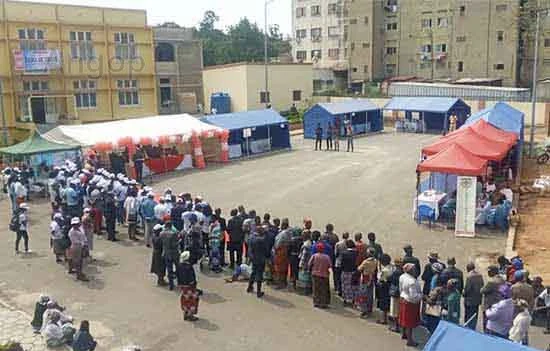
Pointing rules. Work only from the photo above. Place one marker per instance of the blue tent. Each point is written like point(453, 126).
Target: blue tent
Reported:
point(502, 116)
point(268, 131)
point(434, 112)
point(451, 337)
point(365, 117)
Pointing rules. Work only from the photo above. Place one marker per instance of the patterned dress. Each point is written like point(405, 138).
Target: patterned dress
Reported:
point(304, 283)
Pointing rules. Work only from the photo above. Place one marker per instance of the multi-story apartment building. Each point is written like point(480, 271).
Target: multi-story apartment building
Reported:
point(319, 38)
point(74, 64)
point(179, 64)
point(432, 39)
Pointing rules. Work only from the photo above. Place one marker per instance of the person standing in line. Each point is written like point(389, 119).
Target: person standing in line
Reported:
point(544, 297)
point(187, 282)
point(383, 288)
point(453, 301)
point(294, 247)
point(365, 294)
point(223, 228)
point(319, 137)
point(519, 332)
point(236, 238)
point(411, 296)
point(131, 210)
point(158, 266)
point(304, 274)
point(372, 244)
point(78, 242)
point(395, 294)
point(490, 292)
point(280, 257)
point(170, 250)
point(451, 272)
point(428, 272)
point(409, 258)
point(148, 212)
point(139, 159)
point(23, 227)
point(349, 135)
point(339, 250)
point(329, 137)
point(348, 268)
point(88, 228)
point(336, 136)
point(523, 291)
point(110, 216)
point(57, 237)
point(472, 295)
point(258, 253)
point(320, 265)
point(500, 316)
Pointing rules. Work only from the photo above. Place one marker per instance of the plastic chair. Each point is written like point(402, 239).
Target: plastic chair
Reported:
point(426, 212)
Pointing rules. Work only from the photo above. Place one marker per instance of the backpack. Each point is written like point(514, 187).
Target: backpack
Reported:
point(14, 223)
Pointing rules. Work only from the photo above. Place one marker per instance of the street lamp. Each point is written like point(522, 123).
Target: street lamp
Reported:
point(267, 95)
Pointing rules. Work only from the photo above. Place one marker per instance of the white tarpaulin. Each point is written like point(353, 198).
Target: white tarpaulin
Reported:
point(148, 127)
point(465, 224)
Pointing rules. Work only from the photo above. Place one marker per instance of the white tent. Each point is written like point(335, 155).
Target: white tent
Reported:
point(111, 132)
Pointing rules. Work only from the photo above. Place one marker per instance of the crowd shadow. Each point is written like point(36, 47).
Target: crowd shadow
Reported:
point(212, 298)
point(278, 302)
point(205, 324)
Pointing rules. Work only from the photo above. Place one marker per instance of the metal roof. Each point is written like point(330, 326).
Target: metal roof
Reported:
point(349, 106)
point(247, 119)
point(428, 104)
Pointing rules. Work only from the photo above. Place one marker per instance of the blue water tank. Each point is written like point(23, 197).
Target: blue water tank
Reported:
point(221, 102)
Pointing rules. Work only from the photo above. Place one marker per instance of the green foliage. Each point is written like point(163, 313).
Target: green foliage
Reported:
point(242, 42)
point(11, 346)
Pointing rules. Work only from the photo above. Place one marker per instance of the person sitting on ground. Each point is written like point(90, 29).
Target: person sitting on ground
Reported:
point(56, 333)
point(241, 274)
point(51, 308)
point(39, 309)
point(83, 340)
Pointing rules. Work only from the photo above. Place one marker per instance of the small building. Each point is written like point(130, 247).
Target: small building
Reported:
point(428, 114)
point(288, 85)
point(178, 66)
point(365, 117)
point(253, 132)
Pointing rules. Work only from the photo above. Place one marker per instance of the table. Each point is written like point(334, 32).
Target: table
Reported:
point(432, 199)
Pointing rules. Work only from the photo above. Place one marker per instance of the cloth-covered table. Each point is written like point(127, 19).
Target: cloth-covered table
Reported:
point(432, 199)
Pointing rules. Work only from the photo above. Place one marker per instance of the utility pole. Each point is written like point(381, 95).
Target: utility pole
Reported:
point(267, 95)
point(534, 85)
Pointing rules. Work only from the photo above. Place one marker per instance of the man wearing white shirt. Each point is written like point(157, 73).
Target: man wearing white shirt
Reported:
point(507, 192)
point(161, 211)
point(545, 297)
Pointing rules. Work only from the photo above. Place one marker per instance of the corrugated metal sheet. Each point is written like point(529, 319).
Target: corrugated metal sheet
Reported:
point(467, 92)
point(428, 104)
point(355, 105)
point(248, 119)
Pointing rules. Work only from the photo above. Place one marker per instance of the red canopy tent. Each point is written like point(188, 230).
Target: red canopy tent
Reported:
point(487, 131)
point(455, 159)
point(472, 142)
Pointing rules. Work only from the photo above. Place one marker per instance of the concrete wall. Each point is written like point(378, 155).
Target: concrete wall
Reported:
point(230, 80)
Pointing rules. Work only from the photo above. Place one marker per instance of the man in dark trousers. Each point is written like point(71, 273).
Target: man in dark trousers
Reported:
point(110, 215)
point(319, 137)
point(409, 258)
point(139, 158)
point(258, 253)
point(472, 295)
point(236, 237)
point(170, 250)
point(329, 137)
point(223, 229)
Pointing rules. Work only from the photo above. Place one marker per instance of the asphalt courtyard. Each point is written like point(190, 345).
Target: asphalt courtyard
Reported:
point(368, 190)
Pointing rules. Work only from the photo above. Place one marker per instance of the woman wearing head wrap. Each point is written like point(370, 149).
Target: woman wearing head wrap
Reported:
point(280, 257)
point(409, 306)
point(320, 265)
point(304, 274)
point(437, 268)
point(187, 282)
point(365, 294)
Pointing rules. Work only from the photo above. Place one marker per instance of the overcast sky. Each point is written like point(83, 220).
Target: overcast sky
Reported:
point(189, 12)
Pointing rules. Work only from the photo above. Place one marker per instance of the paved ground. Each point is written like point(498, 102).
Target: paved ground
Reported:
point(369, 190)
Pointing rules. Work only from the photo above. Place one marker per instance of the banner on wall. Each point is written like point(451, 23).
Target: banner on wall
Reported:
point(465, 225)
point(36, 60)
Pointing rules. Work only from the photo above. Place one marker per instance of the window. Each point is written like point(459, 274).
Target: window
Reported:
point(301, 33)
point(301, 55)
point(296, 95)
point(391, 50)
point(441, 48)
point(164, 81)
point(85, 93)
point(391, 26)
point(264, 97)
point(365, 69)
point(354, 69)
point(501, 8)
point(332, 8)
point(82, 47)
point(460, 66)
point(500, 36)
point(366, 20)
point(128, 93)
point(547, 43)
point(35, 86)
point(353, 21)
point(462, 10)
point(426, 23)
point(333, 31)
point(499, 66)
point(442, 22)
point(125, 48)
point(300, 12)
point(315, 54)
point(317, 85)
point(165, 96)
point(333, 53)
point(390, 68)
point(426, 48)
point(460, 39)
point(329, 83)
point(546, 62)
point(164, 52)
point(315, 34)
point(31, 39)
point(316, 10)
point(366, 45)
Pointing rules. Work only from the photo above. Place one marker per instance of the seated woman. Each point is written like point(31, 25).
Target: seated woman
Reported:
point(57, 334)
point(483, 217)
point(449, 208)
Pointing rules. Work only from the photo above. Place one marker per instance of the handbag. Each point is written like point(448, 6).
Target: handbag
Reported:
point(433, 310)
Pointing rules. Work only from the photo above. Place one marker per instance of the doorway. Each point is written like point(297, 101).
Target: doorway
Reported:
point(38, 107)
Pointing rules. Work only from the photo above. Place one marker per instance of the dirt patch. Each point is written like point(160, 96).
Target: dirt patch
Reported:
point(533, 235)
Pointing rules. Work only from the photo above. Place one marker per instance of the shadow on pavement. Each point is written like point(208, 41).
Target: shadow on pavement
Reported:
point(205, 324)
point(278, 302)
point(212, 298)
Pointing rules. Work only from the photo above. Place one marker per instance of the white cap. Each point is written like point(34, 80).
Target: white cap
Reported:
point(167, 198)
point(57, 215)
point(75, 220)
point(158, 227)
point(24, 205)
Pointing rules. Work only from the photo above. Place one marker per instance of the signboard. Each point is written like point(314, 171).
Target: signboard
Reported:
point(465, 224)
point(37, 60)
point(247, 133)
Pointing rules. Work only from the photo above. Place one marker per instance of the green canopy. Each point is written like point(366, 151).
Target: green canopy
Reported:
point(36, 144)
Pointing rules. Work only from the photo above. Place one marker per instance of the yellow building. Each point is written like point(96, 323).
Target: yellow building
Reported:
point(64, 64)
point(288, 84)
